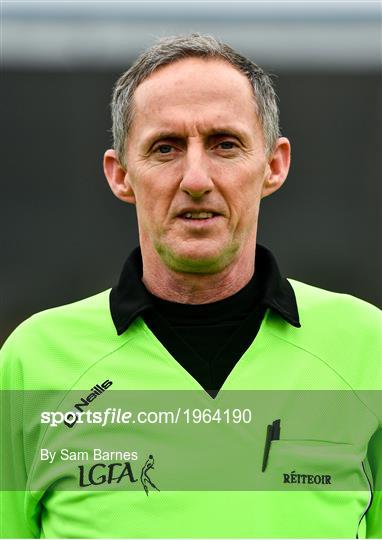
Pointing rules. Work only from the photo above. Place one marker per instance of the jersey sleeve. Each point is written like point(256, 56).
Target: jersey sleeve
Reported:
point(374, 455)
point(18, 519)
point(13, 522)
point(374, 513)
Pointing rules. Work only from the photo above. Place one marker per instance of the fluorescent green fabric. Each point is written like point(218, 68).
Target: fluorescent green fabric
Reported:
point(338, 347)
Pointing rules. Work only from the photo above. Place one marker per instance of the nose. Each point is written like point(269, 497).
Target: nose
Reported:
point(196, 179)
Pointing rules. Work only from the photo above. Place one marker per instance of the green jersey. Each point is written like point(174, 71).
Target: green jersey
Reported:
point(302, 458)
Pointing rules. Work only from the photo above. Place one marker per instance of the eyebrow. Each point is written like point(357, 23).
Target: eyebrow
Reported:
point(232, 132)
point(223, 131)
point(163, 134)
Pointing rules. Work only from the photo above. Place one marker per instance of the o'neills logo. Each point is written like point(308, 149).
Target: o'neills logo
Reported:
point(95, 391)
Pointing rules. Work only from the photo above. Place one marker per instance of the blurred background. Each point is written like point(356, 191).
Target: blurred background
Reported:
point(67, 236)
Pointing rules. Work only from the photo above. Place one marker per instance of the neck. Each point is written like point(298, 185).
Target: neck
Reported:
point(191, 288)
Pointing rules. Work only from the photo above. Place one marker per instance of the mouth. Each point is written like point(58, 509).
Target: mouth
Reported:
point(198, 215)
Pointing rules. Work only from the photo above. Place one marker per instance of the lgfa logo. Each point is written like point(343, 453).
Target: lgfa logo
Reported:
point(115, 472)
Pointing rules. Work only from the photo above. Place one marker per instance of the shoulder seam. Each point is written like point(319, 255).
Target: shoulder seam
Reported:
point(332, 369)
point(33, 467)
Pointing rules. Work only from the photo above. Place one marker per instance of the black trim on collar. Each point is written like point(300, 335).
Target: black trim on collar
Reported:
point(130, 298)
point(278, 294)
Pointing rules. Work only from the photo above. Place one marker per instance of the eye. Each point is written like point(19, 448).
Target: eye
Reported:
point(164, 148)
point(227, 145)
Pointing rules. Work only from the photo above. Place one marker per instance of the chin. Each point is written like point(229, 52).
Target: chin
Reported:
point(197, 259)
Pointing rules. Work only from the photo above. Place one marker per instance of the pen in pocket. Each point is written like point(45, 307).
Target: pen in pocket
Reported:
point(273, 434)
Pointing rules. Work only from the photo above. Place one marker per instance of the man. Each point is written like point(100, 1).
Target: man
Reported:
point(200, 307)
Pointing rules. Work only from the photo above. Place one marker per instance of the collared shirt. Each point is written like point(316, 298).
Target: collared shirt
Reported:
point(207, 339)
point(62, 354)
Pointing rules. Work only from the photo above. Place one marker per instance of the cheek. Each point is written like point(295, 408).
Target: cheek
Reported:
point(248, 213)
point(153, 200)
point(243, 213)
point(243, 196)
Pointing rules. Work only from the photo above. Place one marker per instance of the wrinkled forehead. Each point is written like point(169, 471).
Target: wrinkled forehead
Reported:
point(195, 90)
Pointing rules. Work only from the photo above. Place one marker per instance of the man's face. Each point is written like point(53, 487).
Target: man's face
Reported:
point(196, 164)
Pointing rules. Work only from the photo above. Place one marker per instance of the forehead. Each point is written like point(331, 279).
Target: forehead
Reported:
point(194, 91)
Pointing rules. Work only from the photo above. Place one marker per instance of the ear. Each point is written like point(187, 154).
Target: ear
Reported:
point(117, 177)
point(278, 167)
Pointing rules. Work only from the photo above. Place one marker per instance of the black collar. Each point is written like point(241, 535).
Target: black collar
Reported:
point(130, 298)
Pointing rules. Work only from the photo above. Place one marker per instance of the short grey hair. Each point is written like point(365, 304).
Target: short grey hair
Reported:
point(171, 49)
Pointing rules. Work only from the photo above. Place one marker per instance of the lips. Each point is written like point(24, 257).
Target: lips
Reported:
point(193, 214)
point(198, 215)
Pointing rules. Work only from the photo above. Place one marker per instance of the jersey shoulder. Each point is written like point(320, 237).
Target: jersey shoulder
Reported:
point(328, 305)
point(342, 330)
point(60, 342)
point(85, 313)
